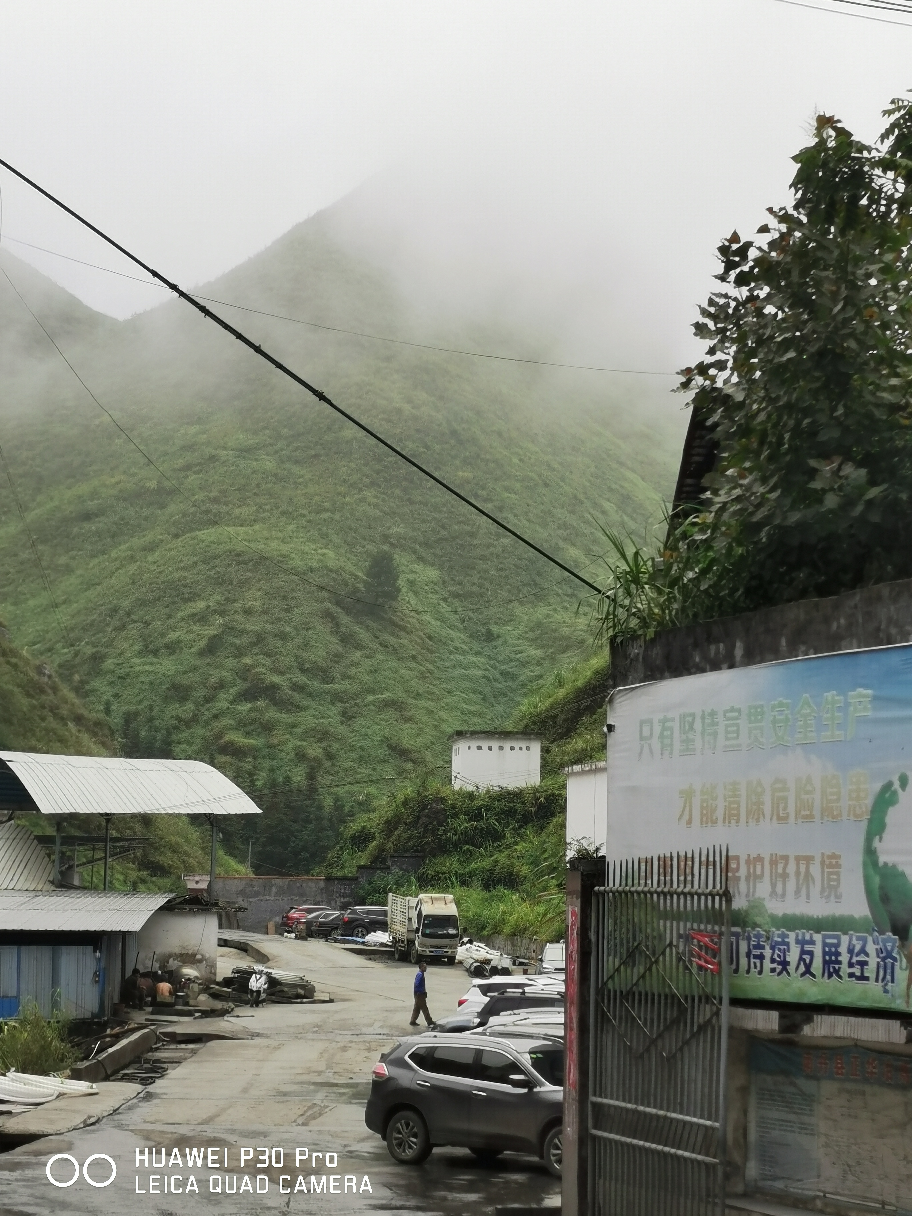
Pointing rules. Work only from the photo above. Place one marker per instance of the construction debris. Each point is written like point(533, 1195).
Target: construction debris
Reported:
point(284, 986)
point(480, 960)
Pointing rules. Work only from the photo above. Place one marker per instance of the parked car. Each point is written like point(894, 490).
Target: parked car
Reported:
point(552, 959)
point(300, 912)
point(482, 989)
point(537, 1022)
point(322, 924)
point(500, 1002)
point(487, 1095)
point(358, 922)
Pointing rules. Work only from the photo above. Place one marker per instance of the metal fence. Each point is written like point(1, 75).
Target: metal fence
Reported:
point(660, 959)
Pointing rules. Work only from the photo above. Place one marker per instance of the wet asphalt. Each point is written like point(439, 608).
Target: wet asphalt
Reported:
point(296, 1089)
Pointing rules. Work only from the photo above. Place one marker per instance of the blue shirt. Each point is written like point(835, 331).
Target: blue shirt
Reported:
point(420, 989)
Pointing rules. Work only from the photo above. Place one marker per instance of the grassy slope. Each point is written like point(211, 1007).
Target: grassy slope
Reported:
point(194, 645)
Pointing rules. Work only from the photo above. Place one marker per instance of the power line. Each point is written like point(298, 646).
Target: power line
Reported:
point(310, 388)
point(355, 333)
point(174, 485)
point(840, 13)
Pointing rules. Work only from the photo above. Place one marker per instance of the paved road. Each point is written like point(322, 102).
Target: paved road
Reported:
point(300, 1083)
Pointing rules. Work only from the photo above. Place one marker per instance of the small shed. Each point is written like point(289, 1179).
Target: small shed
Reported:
point(69, 950)
point(490, 759)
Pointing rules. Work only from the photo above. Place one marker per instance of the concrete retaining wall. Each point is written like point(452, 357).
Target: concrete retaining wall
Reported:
point(873, 616)
point(266, 897)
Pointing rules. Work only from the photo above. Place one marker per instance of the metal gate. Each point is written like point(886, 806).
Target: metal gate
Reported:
point(659, 1029)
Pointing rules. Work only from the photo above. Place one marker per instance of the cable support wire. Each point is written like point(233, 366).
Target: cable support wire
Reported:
point(355, 333)
point(174, 485)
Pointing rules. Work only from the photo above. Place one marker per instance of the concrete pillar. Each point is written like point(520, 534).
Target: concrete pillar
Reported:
point(583, 877)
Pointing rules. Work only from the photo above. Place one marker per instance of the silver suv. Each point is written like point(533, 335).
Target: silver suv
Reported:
point(489, 1095)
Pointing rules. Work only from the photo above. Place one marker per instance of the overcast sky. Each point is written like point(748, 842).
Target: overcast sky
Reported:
point(582, 157)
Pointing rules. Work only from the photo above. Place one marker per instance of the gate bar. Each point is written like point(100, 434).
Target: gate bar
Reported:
point(648, 1110)
point(654, 1148)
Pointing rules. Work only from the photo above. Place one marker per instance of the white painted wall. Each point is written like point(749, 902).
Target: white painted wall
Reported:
point(179, 937)
point(587, 802)
point(491, 761)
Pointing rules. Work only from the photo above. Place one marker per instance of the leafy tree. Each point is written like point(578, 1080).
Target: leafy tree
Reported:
point(807, 388)
point(807, 383)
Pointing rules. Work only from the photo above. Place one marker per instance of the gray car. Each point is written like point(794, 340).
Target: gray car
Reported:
point(506, 1001)
point(489, 1095)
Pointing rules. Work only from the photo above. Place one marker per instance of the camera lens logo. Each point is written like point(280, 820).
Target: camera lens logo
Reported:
point(48, 1169)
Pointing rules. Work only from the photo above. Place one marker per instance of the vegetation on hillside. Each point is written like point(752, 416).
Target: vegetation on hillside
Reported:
point(501, 852)
point(194, 600)
point(38, 714)
point(807, 384)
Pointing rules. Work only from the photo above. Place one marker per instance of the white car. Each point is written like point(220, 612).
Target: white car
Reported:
point(482, 989)
point(552, 960)
point(544, 1022)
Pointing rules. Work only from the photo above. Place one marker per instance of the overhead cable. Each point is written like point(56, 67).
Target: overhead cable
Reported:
point(310, 388)
point(818, 8)
point(355, 333)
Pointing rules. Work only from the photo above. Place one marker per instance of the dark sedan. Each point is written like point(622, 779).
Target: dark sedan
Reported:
point(498, 1003)
point(323, 924)
point(489, 1095)
point(364, 919)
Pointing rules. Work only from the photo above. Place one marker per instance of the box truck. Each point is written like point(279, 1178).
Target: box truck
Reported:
point(424, 927)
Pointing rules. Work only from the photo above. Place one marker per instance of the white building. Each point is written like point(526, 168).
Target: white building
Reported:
point(587, 802)
point(495, 759)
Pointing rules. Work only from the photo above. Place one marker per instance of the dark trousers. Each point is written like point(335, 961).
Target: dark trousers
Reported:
point(420, 1006)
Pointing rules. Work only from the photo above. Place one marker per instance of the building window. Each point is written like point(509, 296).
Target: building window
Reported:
point(490, 748)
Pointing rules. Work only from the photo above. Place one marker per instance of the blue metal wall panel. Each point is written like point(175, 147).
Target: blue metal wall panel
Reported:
point(36, 977)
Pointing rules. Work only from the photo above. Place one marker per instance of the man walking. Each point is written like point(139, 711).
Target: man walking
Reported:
point(421, 1005)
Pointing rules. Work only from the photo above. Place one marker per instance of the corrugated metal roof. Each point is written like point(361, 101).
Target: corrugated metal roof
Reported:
point(106, 785)
point(77, 911)
point(24, 865)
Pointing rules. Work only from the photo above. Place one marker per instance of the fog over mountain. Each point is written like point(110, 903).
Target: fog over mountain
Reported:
point(228, 606)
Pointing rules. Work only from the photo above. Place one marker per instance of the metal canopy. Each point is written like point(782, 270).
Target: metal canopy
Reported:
point(77, 911)
point(106, 785)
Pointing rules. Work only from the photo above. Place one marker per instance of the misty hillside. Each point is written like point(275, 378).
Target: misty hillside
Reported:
point(190, 615)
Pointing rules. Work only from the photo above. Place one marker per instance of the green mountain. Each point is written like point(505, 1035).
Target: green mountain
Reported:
point(280, 596)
